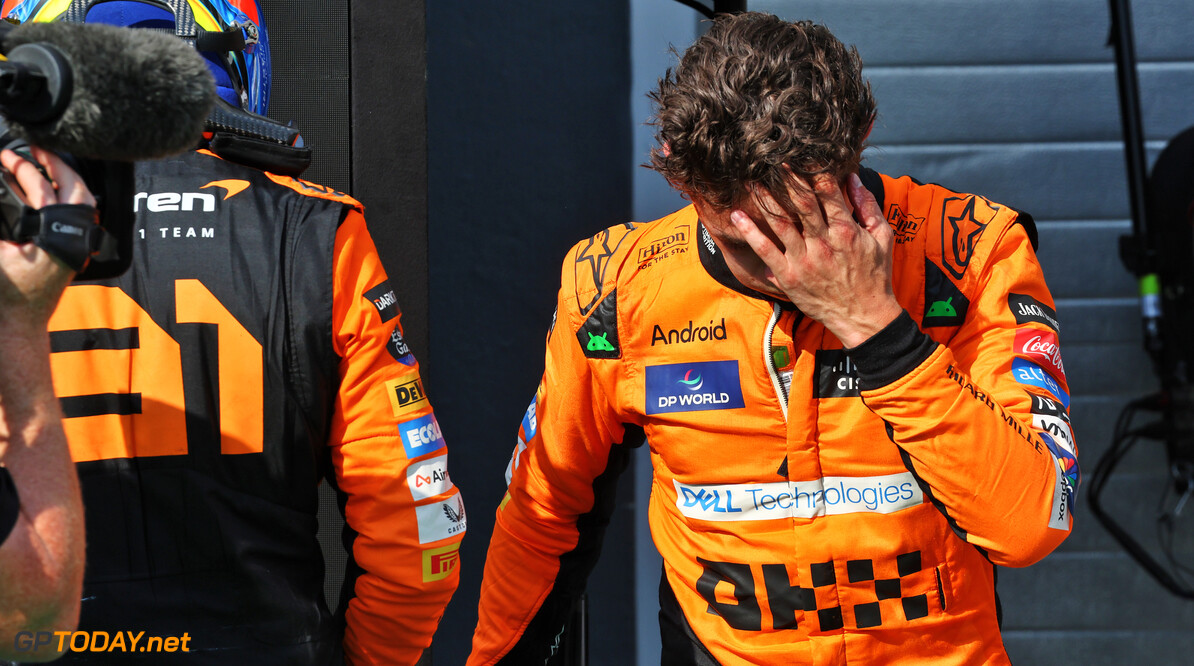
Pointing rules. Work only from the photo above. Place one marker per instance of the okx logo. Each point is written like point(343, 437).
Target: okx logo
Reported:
point(693, 387)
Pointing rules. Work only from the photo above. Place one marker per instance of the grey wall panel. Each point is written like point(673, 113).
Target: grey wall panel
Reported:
point(1082, 260)
point(1064, 181)
point(1123, 500)
point(1097, 320)
point(1023, 103)
point(1107, 369)
point(1076, 591)
point(1098, 646)
point(1094, 418)
point(934, 32)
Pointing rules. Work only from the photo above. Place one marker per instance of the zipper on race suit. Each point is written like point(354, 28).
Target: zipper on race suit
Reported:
point(781, 391)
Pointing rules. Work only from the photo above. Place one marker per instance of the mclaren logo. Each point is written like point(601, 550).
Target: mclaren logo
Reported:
point(232, 187)
point(166, 202)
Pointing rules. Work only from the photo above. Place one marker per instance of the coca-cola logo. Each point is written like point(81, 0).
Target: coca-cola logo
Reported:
point(1040, 345)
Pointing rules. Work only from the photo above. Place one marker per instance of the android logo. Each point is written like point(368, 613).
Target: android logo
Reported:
point(599, 343)
point(940, 309)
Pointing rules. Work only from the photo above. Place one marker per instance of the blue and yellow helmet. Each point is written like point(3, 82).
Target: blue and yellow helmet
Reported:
point(228, 33)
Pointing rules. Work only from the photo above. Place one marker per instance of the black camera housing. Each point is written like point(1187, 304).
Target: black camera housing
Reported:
point(112, 184)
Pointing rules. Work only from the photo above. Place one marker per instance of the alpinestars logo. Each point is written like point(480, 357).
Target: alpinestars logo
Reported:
point(398, 347)
point(593, 259)
point(690, 333)
point(963, 219)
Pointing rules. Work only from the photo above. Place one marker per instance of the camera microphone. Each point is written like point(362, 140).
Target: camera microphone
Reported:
point(103, 92)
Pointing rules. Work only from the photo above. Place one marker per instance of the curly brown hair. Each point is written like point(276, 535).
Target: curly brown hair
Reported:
point(757, 96)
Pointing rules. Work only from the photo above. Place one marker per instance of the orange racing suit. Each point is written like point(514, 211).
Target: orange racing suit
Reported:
point(813, 505)
point(253, 349)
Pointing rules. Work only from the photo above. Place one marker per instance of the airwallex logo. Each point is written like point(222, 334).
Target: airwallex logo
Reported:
point(1027, 372)
point(830, 496)
point(693, 387)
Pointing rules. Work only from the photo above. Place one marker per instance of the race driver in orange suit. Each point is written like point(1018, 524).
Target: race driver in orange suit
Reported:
point(253, 349)
point(850, 385)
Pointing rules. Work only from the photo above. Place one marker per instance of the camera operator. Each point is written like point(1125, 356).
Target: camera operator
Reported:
point(41, 512)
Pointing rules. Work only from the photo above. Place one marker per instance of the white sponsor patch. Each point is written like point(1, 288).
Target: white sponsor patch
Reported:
point(833, 495)
point(441, 520)
point(515, 459)
point(1059, 429)
point(1059, 519)
point(429, 478)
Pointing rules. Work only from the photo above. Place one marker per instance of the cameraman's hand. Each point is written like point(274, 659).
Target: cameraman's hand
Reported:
point(31, 280)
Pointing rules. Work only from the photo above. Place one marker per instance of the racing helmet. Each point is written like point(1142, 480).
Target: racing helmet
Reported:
point(229, 34)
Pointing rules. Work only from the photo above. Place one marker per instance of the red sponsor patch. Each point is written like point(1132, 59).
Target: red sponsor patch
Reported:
point(1042, 347)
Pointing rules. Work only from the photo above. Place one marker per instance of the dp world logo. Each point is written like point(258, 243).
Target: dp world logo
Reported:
point(693, 387)
point(691, 383)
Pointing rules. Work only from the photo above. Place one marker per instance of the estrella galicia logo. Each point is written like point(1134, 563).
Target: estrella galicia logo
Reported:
point(421, 436)
point(382, 297)
point(398, 348)
point(945, 304)
point(836, 375)
point(1027, 309)
point(1027, 372)
point(963, 220)
point(693, 387)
